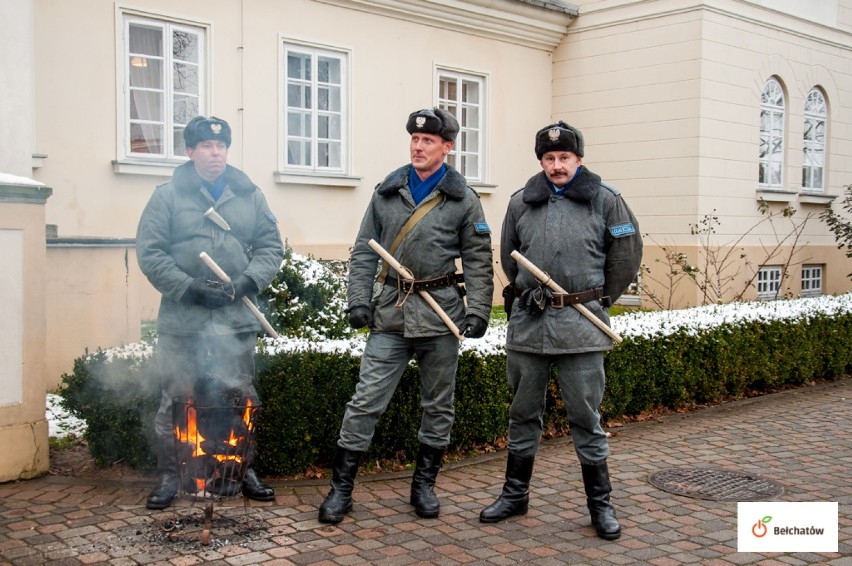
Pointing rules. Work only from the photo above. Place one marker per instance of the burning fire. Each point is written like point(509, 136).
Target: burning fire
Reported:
point(228, 452)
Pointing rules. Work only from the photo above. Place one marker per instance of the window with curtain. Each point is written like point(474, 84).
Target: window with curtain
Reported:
point(316, 109)
point(463, 95)
point(771, 135)
point(163, 85)
point(813, 160)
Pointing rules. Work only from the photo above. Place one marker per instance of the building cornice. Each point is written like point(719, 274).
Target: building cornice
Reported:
point(620, 12)
point(538, 24)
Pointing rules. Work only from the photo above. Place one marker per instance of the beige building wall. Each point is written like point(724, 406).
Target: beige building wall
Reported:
point(667, 94)
point(99, 301)
point(394, 49)
point(393, 58)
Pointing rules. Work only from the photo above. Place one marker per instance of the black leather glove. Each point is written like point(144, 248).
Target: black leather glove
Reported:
point(244, 286)
point(202, 294)
point(474, 327)
point(534, 300)
point(360, 316)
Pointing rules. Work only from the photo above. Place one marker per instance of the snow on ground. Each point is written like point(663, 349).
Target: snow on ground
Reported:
point(60, 422)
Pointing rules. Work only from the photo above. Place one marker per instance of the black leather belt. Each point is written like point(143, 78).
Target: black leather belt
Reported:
point(561, 300)
point(407, 285)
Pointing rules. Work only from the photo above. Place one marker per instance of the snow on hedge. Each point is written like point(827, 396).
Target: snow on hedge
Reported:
point(635, 324)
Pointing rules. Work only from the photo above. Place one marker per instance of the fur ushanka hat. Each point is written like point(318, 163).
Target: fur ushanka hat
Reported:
point(435, 121)
point(558, 137)
point(201, 128)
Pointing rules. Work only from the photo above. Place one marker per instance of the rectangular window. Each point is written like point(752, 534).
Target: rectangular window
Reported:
point(315, 109)
point(769, 282)
point(811, 280)
point(164, 70)
point(463, 95)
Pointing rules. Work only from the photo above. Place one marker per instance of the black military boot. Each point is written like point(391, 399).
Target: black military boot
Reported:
point(514, 500)
point(338, 502)
point(165, 492)
point(253, 488)
point(163, 495)
point(598, 488)
point(423, 497)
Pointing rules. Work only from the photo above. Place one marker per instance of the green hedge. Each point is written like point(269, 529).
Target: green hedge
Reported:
point(304, 393)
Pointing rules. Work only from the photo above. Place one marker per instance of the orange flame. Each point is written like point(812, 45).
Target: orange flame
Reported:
point(192, 436)
point(247, 414)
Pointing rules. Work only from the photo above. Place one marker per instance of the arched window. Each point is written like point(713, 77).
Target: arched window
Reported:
point(771, 135)
point(813, 162)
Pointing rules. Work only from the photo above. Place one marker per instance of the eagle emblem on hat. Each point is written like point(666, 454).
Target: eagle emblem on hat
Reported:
point(553, 134)
point(420, 121)
point(216, 128)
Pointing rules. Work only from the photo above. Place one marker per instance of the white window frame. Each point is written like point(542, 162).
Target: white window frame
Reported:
point(128, 161)
point(769, 282)
point(464, 148)
point(813, 158)
point(313, 172)
point(812, 278)
point(771, 150)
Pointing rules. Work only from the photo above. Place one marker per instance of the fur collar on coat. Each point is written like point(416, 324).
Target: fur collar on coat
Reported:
point(186, 179)
point(454, 185)
point(583, 189)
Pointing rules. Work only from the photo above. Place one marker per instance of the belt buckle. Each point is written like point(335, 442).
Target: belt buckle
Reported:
point(407, 285)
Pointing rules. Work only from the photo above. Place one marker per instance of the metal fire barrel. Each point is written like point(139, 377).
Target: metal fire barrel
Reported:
point(214, 443)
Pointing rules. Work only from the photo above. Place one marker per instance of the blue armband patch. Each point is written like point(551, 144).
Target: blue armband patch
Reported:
point(622, 230)
point(482, 228)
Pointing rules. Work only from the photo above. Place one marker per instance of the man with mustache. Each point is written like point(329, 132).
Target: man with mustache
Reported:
point(580, 232)
point(206, 335)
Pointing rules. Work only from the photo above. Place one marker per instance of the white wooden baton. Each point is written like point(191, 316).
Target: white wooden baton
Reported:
point(405, 273)
point(545, 278)
point(214, 267)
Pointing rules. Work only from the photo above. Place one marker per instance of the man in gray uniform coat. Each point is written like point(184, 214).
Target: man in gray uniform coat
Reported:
point(206, 334)
point(579, 231)
point(401, 322)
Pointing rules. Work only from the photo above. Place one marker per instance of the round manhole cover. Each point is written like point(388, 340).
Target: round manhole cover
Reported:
point(716, 485)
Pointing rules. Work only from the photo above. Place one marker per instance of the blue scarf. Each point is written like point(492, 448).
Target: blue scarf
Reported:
point(421, 189)
point(216, 188)
point(561, 192)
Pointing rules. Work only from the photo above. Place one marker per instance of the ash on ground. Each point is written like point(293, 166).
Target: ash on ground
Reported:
point(179, 530)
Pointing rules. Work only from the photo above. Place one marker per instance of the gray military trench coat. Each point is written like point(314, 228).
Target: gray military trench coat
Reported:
point(455, 228)
point(173, 231)
point(584, 240)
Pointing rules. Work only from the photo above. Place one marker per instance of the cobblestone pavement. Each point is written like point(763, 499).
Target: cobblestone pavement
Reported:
point(801, 439)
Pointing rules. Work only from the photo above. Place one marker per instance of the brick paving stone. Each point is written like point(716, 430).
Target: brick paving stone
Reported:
point(804, 444)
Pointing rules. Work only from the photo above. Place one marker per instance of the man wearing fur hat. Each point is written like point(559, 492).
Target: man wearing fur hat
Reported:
point(427, 217)
point(206, 335)
point(580, 232)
